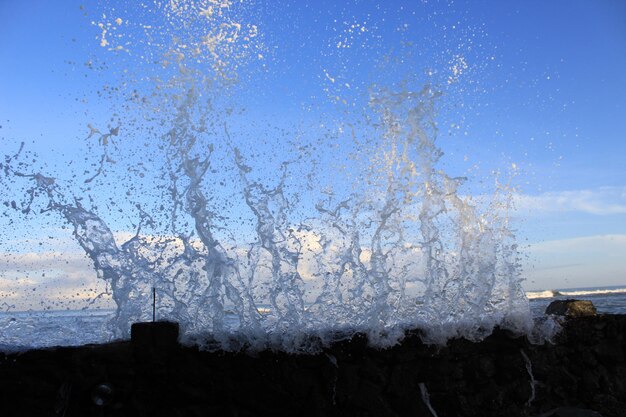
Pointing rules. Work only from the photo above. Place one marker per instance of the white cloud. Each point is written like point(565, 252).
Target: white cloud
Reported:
point(58, 280)
point(599, 201)
point(579, 262)
point(608, 243)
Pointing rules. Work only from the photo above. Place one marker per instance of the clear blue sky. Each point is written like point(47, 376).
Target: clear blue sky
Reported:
point(544, 88)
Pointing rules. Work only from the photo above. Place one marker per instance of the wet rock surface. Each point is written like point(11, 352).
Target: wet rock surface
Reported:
point(571, 308)
point(583, 373)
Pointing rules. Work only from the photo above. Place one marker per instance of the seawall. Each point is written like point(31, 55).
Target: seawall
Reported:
point(504, 375)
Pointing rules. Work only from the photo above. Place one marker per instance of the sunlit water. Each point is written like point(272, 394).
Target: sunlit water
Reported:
point(257, 236)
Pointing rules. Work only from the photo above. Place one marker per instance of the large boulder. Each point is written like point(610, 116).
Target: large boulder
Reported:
point(571, 308)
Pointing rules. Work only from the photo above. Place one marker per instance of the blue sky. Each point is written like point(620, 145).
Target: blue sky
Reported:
point(544, 89)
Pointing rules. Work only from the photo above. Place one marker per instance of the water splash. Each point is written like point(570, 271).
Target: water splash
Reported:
point(251, 246)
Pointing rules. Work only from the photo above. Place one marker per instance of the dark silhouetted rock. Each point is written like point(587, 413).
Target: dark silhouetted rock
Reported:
point(571, 308)
point(157, 335)
point(583, 369)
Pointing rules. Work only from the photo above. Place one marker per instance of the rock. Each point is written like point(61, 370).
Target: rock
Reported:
point(582, 373)
point(571, 308)
point(153, 344)
point(154, 335)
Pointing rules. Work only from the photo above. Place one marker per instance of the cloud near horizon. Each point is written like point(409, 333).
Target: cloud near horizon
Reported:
point(68, 274)
point(591, 261)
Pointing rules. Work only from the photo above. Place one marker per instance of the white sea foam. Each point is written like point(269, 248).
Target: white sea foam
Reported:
point(541, 294)
point(574, 292)
point(599, 291)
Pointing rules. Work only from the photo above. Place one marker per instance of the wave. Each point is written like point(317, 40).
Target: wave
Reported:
point(555, 293)
point(542, 294)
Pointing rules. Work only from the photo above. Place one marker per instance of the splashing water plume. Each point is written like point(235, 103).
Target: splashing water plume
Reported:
point(285, 235)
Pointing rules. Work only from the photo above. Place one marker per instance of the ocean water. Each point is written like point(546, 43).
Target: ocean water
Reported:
point(40, 329)
point(608, 300)
point(36, 329)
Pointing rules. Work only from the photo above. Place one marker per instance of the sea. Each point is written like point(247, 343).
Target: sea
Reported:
point(24, 330)
point(607, 300)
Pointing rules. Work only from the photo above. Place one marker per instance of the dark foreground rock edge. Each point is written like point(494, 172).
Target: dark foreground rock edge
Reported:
point(585, 368)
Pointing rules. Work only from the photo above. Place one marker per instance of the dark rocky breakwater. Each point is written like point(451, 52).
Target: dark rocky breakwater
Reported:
point(582, 373)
